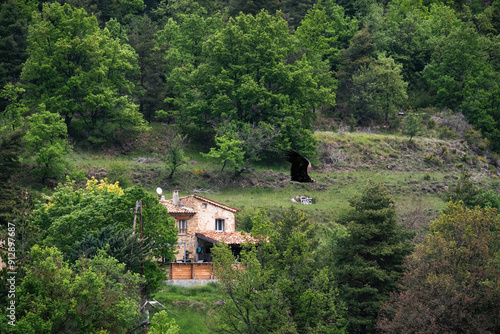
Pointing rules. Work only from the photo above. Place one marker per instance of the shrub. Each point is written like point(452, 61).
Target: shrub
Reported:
point(431, 123)
point(446, 133)
point(118, 172)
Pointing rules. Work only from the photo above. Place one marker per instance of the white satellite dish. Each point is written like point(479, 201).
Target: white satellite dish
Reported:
point(159, 191)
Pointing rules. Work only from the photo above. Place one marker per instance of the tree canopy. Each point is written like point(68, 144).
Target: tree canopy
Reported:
point(80, 71)
point(92, 295)
point(276, 286)
point(452, 279)
point(71, 213)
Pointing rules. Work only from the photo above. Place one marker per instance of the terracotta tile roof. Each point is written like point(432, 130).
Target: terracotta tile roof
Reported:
point(204, 199)
point(230, 238)
point(183, 209)
point(177, 209)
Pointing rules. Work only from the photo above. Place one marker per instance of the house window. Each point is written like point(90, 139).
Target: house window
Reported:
point(204, 205)
point(183, 226)
point(219, 225)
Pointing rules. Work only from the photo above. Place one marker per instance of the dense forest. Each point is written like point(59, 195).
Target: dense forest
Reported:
point(243, 81)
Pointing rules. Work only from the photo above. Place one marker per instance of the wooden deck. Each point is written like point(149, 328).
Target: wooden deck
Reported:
point(190, 270)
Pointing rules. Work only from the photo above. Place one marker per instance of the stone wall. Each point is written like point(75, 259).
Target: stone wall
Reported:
point(202, 221)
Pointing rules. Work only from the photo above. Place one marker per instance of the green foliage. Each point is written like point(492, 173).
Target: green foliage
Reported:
point(152, 64)
point(228, 150)
point(93, 295)
point(80, 71)
point(412, 125)
point(12, 117)
point(352, 59)
point(368, 262)
point(325, 30)
point(46, 140)
point(118, 172)
point(253, 7)
point(377, 89)
point(125, 247)
point(11, 149)
point(120, 244)
point(454, 63)
point(14, 15)
point(190, 307)
point(357, 8)
point(175, 156)
point(161, 324)
point(119, 9)
point(256, 141)
point(467, 192)
point(452, 279)
point(276, 286)
point(71, 213)
point(462, 72)
point(183, 39)
point(403, 34)
point(295, 11)
point(241, 74)
point(158, 225)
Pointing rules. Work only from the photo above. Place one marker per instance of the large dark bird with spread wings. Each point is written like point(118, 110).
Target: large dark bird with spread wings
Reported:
point(300, 167)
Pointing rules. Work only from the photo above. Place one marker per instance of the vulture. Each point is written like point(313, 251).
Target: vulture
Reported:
point(300, 167)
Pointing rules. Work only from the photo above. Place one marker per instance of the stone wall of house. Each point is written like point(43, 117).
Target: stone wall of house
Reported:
point(205, 217)
point(190, 240)
point(202, 221)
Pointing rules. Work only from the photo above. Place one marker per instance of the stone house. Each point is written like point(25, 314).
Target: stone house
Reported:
point(202, 223)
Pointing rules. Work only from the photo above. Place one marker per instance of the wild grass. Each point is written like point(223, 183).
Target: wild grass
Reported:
point(333, 201)
point(188, 306)
point(343, 165)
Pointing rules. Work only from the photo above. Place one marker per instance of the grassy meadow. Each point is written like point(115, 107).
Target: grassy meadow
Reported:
point(188, 306)
point(419, 172)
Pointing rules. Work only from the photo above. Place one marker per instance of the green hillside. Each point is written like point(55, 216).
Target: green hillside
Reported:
point(421, 171)
point(395, 103)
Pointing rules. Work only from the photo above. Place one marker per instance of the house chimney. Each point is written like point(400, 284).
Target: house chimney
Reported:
point(175, 198)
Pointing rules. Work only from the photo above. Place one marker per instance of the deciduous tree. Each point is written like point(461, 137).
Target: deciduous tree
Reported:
point(46, 140)
point(243, 74)
point(81, 72)
point(412, 125)
point(452, 280)
point(276, 287)
point(175, 156)
point(228, 151)
point(326, 30)
point(11, 117)
point(468, 193)
point(161, 324)
point(92, 295)
point(377, 89)
point(70, 213)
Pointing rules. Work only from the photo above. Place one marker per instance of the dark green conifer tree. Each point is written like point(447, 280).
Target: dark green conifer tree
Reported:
point(368, 262)
point(11, 148)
